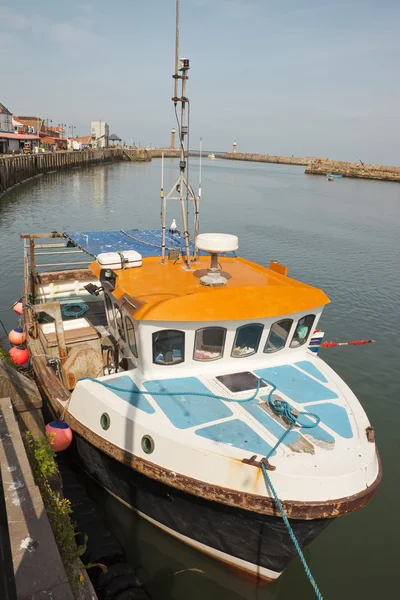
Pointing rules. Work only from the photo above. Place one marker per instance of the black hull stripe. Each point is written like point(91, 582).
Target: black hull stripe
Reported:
point(257, 539)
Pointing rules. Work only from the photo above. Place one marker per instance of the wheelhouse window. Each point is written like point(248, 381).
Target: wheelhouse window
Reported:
point(109, 310)
point(247, 340)
point(130, 331)
point(119, 322)
point(168, 347)
point(278, 335)
point(302, 331)
point(209, 343)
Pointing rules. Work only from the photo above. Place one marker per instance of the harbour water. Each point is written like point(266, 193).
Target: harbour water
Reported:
point(341, 236)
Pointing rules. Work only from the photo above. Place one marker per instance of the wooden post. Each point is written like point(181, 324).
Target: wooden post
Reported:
point(32, 259)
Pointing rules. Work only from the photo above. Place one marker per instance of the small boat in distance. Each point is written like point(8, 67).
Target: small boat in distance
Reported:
point(330, 179)
point(333, 176)
point(211, 156)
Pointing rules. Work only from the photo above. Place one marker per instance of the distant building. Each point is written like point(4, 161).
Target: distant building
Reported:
point(35, 123)
point(114, 140)
point(172, 143)
point(100, 133)
point(5, 119)
point(20, 127)
point(86, 141)
point(15, 136)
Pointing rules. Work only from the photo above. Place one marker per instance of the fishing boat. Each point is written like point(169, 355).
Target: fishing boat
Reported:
point(191, 381)
point(331, 176)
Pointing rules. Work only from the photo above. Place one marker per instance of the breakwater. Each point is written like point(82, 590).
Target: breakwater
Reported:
point(320, 166)
point(351, 169)
point(22, 167)
point(268, 158)
point(314, 166)
point(264, 158)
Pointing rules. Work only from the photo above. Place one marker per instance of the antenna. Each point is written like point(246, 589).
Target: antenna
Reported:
point(163, 211)
point(201, 147)
point(181, 186)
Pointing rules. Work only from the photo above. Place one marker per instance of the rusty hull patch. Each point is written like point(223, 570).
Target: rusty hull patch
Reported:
point(251, 502)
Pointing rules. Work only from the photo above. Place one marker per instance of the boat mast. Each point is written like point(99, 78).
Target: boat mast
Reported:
point(182, 186)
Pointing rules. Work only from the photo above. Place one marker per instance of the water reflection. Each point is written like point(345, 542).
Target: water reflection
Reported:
point(342, 237)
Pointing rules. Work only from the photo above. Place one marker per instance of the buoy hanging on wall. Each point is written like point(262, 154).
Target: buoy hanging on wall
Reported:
point(19, 356)
point(16, 336)
point(18, 307)
point(60, 435)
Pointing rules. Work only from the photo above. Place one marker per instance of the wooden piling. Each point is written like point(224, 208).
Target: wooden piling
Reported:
point(15, 169)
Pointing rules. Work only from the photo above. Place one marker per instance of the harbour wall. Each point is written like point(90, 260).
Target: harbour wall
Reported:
point(22, 167)
point(17, 169)
point(356, 170)
point(313, 166)
point(264, 158)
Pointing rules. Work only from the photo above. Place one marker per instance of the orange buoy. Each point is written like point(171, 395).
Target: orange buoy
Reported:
point(60, 435)
point(18, 307)
point(19, 355)
point(16, 336)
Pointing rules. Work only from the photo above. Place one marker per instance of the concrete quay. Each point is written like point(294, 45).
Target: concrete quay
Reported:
point(38, 568)
point(14, 169)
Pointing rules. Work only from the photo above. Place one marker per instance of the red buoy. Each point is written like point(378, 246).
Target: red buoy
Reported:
point(60, 435)
point(19, 356)
point(18, 307)
point(17, 336)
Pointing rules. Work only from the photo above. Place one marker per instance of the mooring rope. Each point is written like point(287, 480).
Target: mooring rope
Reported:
point(69, 309)
point(291, 533)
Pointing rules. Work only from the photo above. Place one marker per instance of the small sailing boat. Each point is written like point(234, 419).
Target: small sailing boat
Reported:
point(187, 372)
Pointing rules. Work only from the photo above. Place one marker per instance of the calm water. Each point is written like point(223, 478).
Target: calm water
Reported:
point(341, 236)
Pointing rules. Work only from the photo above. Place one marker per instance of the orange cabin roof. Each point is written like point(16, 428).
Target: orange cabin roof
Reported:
point(168, 292)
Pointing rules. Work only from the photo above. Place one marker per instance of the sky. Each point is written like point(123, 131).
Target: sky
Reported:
point(310, 78)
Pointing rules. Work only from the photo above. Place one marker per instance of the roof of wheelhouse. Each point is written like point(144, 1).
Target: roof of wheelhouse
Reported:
point(169, 292)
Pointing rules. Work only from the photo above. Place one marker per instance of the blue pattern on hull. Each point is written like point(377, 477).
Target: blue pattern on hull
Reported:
point(187, 411)
point(138, 400)
point(238, 434)
point(311, 369)
point(295, 384)
point(334, 416)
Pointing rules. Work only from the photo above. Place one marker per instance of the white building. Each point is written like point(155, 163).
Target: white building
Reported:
point(5, 119)
point(100, 133)
point(15, 136)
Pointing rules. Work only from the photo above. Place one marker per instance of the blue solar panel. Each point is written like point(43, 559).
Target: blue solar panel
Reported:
point(146, 242)
point(96, 242)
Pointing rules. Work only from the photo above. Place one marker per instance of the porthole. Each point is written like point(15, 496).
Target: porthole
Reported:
point(147, 444)
point(105, 421)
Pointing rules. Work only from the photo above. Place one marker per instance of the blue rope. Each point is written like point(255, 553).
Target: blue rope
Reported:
point(291, 533)
point(68, 310)
point(203, 394)
point(283, 409)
